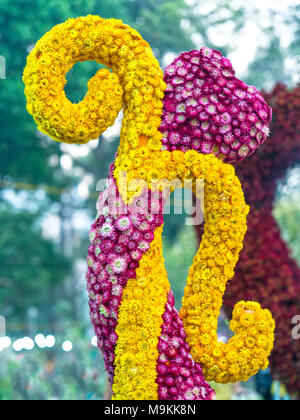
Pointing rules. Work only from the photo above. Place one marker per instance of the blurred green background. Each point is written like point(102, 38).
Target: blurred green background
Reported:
point(48, 190)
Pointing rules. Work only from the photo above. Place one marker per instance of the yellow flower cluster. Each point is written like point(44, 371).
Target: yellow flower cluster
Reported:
point(139, 327)
point(137, 80)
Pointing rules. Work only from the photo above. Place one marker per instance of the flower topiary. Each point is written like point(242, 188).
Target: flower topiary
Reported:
point(146, 346)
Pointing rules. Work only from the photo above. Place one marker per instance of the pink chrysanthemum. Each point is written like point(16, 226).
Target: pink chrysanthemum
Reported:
point(106, 230)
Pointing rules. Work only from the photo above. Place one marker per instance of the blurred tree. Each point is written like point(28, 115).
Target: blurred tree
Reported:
point(287, 211)
point(31, 266)
point(278, 56)
point(294, 20)
point(52, 374)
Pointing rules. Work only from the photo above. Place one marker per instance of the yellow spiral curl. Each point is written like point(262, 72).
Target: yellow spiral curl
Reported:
point(115, 45)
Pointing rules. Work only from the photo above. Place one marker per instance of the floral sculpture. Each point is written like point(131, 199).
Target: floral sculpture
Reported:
point(266, 272)
point(172, 130)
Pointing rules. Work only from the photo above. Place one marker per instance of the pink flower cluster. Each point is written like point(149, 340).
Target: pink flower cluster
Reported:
point(208, 109)
point(178, 376)
point(119, 237)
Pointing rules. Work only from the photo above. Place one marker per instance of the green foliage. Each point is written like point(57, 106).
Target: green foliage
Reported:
point(34, 272)
point(31, 266)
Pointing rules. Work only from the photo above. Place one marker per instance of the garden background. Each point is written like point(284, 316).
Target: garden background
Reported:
point(48, 190)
